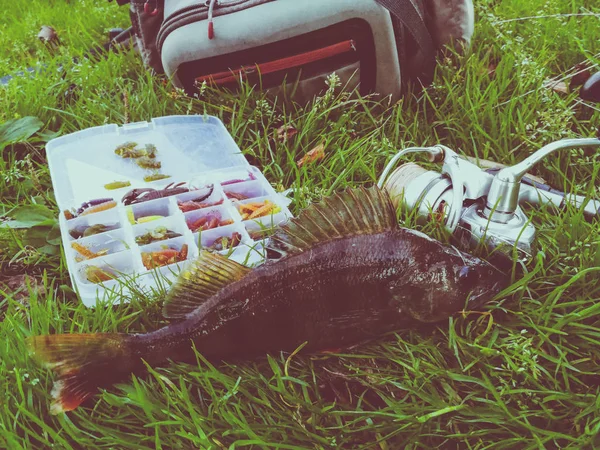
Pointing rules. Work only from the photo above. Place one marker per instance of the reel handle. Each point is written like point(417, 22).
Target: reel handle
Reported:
point(536, 193)
point(590, 91)
point(503, 198)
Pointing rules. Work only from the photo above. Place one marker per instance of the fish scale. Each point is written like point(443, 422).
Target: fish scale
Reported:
point(345, 273)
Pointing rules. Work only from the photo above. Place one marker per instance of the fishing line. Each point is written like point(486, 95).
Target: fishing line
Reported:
point(550, 16)
point(558, 79)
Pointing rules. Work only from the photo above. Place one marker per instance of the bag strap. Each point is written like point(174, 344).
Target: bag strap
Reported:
point(410, 16)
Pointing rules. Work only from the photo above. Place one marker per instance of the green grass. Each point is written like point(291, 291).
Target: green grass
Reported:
point(523, 374)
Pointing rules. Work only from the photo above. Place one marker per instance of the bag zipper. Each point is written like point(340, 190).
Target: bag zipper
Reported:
point(201, 10)
point(279, 65)
point(211, 27)
point(203, 6)
point(151, 7)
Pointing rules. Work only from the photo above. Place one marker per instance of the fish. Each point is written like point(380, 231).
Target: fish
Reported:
point(341, 273)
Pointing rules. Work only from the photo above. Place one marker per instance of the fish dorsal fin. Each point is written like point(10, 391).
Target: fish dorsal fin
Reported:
point(208, 275)
point(352, 212)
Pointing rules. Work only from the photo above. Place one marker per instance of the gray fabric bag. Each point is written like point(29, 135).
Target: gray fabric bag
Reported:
point(378, 46)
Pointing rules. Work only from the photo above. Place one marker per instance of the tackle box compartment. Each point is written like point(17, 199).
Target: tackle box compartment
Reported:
point(212, 199)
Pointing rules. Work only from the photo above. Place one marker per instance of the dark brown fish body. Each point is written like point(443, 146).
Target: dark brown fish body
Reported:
point(327, 293)
point(331, 296)
point(334, 295)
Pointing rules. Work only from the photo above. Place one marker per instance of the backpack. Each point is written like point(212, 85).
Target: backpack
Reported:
point(376, 46)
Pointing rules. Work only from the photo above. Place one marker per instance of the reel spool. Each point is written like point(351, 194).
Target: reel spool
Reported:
point(412, 187)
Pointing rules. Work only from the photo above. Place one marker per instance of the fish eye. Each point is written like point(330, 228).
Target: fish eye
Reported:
point(468, 275)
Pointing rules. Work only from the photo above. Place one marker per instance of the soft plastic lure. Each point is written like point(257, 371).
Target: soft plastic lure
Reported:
point(226, 243)
point(95, 274)
point(155, 177)
point(116, 185)
point(193, 205)
point(99, 208)
point(208, 223)
point(164, 257)
point(254, 210)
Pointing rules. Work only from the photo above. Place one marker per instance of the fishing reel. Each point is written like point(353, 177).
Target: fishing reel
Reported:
point(484, 206)
point(477, 205)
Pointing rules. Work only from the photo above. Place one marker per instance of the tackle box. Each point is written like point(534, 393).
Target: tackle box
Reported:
point(224, 204)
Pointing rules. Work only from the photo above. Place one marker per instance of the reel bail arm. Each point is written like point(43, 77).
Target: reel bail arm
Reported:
point(435, 154)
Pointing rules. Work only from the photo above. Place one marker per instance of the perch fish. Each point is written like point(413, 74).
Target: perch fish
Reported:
point(341, 273)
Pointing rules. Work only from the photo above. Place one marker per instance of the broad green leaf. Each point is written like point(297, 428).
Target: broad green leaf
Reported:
point(53, 236)
point(48, 249)
point(28, 216)
point(47, 135)
point(17, 130)
point(36, 237)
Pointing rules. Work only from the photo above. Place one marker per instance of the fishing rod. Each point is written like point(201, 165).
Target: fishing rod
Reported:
point(479, 205)
point(576, 76)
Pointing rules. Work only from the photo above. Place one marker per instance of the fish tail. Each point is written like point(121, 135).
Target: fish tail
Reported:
point(83, 363)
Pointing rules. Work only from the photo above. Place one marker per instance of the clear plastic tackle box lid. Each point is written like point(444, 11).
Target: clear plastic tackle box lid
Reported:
point(108, 253)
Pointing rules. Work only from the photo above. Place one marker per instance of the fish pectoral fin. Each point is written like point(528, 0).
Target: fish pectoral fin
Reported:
point(416, 302)
point(209, 274)
point(404, 296)
point(350, 213)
